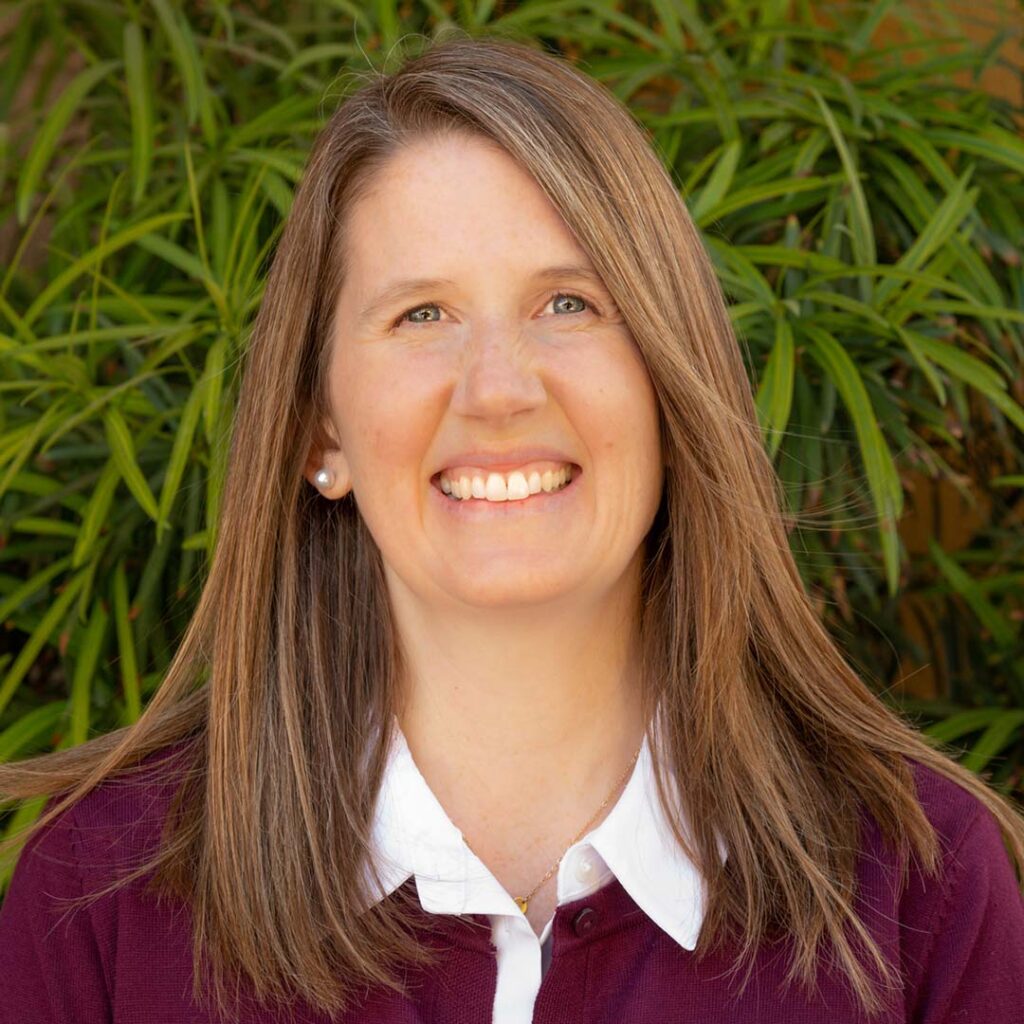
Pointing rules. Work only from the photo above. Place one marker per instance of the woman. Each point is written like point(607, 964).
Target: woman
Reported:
point(504, 700)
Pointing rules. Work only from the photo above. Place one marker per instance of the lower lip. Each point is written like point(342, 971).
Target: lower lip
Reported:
point(543, 502)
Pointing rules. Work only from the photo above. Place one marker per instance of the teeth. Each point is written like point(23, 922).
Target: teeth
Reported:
point(498, 487)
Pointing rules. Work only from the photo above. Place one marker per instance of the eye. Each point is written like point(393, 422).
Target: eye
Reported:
point(579, 298)
point(412, 311)
point(417, 309)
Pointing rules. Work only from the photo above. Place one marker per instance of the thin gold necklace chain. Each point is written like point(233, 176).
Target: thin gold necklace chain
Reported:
point(523, 901)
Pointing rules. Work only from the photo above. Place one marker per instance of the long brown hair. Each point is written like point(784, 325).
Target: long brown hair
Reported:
point(282, 690)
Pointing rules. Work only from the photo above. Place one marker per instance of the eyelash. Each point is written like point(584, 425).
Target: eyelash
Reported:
point(554, 295)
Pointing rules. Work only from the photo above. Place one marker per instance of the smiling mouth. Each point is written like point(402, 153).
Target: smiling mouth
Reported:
point(505, 489)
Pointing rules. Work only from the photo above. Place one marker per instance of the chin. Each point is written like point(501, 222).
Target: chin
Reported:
point(515, 589)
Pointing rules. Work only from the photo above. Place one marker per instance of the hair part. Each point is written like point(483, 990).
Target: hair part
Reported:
point(282, 691)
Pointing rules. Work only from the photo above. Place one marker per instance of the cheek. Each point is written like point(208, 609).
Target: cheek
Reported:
point(618, 411)
point(389, 414)
point(385, 447)
point(642, 403)
point(613, 390)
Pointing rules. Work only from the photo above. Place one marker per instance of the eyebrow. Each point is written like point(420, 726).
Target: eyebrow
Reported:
point(385, 298)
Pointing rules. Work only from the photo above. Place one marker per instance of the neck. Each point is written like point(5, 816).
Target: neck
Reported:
point(521, 720)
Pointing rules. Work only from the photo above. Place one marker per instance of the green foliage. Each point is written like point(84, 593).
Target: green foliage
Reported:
point(863, 212)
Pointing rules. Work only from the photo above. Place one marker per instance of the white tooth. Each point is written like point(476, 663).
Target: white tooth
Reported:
point(547, 480)
point(518, 488)
point(561, 477)
point(464, 487)
point(479, 487)
point(496, 489)
point(534, 482)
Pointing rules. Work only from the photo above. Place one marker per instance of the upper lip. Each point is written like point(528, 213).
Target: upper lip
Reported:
point(508, 458)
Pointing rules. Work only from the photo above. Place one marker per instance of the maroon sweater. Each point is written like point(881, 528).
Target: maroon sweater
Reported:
point(957, 939)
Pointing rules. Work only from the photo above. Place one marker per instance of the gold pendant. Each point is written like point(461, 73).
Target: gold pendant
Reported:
point(521, 902)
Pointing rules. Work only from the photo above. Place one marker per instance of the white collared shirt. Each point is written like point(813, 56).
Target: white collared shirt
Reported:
point(414, 836)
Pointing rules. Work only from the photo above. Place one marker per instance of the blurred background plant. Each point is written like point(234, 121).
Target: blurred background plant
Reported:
point(858, 186)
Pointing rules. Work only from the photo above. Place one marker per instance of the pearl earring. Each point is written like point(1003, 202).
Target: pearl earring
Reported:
point(324, 478)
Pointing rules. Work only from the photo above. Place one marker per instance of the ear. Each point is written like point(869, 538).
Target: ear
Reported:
point(325, 453)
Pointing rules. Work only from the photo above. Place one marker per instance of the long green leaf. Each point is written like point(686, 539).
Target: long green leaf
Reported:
point(946, 219)
point(1003, 632)
point(775, 395)
point(97, 513)
point(883, 480)
point(861, 228)
point(45, 139)
point(93, 257)
point(190, 66)
point(138, 84)
point(37, 582)
point(178, 460)
point(962, 724)
point(122, 453)
point(84, 674)
point(742, 198)
point(39, 637)
point(961, 364)
point(126, 646)
point(28, 729)
point(720, 181)
point(909, 339)
point(994, 739)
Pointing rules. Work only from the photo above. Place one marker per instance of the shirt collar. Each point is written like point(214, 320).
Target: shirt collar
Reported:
point(413, 835)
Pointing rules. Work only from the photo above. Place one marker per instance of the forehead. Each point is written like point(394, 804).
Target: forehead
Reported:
point(454, 198)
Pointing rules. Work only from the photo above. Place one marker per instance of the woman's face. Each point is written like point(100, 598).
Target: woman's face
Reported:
point(499, 364)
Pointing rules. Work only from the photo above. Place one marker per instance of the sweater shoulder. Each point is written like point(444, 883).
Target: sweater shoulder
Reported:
point(119, 822)
point(968, 840)
point(952, 810)
point(960, 947)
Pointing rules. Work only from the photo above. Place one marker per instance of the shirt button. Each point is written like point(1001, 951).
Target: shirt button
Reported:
point(584, 920)
point(586, 869)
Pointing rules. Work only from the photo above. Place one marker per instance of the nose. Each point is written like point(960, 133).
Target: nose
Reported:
point(498, 376)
